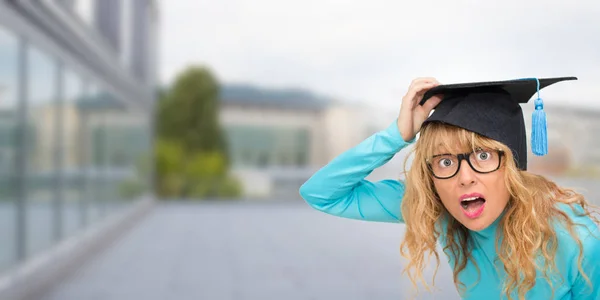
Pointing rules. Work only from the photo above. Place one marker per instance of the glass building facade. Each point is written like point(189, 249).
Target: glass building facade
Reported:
point(75, 118)
point(254, 146)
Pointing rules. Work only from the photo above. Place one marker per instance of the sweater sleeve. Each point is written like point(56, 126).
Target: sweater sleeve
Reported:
point(340, 188)
point(582, 288)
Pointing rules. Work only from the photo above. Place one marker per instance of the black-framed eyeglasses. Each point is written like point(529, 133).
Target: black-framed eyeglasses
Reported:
point(482, 160)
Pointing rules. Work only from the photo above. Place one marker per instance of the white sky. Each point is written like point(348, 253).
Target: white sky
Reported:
point(370, 50)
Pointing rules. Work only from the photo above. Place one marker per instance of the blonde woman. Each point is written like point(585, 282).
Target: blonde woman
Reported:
point(506, 233)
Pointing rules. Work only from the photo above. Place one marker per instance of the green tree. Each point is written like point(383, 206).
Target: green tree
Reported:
point(191, 107)
point(191, 150)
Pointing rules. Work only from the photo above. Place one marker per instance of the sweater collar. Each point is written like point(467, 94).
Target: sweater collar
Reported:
point(490, 231)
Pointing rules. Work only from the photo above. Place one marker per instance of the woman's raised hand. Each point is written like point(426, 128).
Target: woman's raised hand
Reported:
point(412, 115)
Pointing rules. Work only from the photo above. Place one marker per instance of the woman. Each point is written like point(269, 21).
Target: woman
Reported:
point(507, 233)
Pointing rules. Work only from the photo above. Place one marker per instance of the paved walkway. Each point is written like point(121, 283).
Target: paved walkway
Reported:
point(253, 251)
point(248, 251)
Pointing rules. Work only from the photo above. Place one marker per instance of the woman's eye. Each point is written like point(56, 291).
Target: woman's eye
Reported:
point(445, 162)
point(483, 155)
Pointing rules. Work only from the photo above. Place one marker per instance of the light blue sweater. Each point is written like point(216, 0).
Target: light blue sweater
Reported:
point(340, 189)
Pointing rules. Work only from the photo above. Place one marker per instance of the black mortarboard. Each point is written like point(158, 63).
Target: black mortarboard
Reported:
point(493, 109)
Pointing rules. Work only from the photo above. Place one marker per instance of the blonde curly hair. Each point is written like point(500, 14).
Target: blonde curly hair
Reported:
point(526, 224)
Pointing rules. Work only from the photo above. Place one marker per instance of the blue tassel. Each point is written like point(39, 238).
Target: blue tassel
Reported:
point(539, 135)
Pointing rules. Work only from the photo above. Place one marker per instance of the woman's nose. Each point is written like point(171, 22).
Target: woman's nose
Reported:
point(466, 175)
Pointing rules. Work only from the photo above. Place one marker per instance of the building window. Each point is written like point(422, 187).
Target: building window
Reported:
point(9, 75)
point(262, 146)
point(41, 148)
point(71, 152)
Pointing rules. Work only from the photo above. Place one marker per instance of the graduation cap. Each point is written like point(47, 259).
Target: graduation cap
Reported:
point(493, 109)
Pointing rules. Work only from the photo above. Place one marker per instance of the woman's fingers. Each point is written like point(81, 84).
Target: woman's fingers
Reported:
point(411, 114)
point(431, 103)
point(420, 89)
point(422, 112)
point(415, 93)
point(423, 79)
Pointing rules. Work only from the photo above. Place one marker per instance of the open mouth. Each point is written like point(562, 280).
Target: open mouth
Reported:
point(472, 204)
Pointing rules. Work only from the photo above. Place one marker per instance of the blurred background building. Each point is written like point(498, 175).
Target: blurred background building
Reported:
point(77, 90)
point(279, 137)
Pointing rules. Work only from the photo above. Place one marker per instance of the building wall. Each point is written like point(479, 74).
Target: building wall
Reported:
point(342, 127)
point(265, 142)
point(108, 21)
point(326, 133)
point(143, 35)
point(74, 128)
point(366, 120)
point(269, 119)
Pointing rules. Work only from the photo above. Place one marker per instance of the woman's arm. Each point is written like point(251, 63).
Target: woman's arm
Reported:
point(340, 187)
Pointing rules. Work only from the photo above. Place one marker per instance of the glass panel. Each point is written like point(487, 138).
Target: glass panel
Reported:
point(127, 144)
point(91, 123)
point(254, 146)
point(8, 121)
point(99, 160)
point(71, 154)
point(302, 148)
point(41, 147)
point(114, 137)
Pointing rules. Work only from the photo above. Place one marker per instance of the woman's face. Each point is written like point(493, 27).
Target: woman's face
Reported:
point(475, 199)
